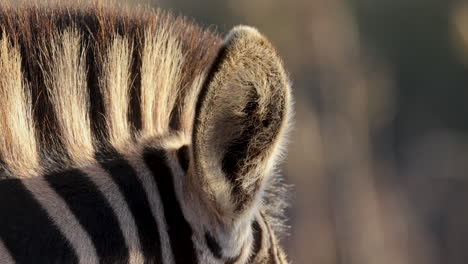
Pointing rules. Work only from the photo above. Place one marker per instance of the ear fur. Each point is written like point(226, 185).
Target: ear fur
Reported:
point(241, 120)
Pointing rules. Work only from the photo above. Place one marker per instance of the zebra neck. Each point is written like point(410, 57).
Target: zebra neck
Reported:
point(122, 207)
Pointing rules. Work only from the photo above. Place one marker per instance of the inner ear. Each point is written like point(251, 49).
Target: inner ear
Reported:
point(258, 128)
point(246, 153)
point(240, 119)
point(236, 148)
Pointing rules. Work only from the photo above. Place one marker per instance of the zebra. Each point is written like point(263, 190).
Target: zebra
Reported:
point(129, 135)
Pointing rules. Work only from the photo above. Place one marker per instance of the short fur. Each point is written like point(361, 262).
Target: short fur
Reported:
point(60, 214)
point(111, 191)
point(64, 68)
point(82, 82)
point(18, 147)
point(135, 159)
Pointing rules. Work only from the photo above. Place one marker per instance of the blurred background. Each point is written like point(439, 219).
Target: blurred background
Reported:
point(379, 154)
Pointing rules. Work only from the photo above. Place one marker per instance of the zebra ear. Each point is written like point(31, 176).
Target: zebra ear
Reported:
point(240, 122)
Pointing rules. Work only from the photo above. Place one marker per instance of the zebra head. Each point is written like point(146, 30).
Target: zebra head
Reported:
point(94, 170)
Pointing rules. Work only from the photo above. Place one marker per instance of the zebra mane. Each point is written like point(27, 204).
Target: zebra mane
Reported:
point(76, 78)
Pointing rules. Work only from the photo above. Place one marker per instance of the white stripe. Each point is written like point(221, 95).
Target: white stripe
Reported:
point(63, 218)
point(154, 199)
point(114, 86)
point(18, 146)
point(5, 254)
point(111, 192)
point(65, 77)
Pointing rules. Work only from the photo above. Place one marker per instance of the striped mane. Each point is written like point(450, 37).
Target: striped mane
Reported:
point(77, 79)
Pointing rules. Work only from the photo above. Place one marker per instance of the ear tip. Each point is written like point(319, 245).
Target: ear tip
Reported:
point(245, 42)
point(244, 31)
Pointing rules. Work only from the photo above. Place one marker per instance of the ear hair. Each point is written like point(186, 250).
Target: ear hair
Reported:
point(241, 120)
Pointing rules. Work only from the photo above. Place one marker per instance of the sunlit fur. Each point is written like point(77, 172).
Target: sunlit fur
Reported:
point(115, 88)
point(162, 61)
point(18, 147)
point(59, 212)
point(64, 68)
point(92, 75)
point(76, 81)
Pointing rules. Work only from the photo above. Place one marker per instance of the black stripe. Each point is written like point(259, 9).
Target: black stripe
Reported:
point(93, 212)
point(26, 229)
point(180, 232)
point(258, 237)
point(183, 156)
point(96, 103)
point(134, 113)
point(126, 178)
point(34, 34)
point(272, 253)
point(95, 34)
point(213, 245)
